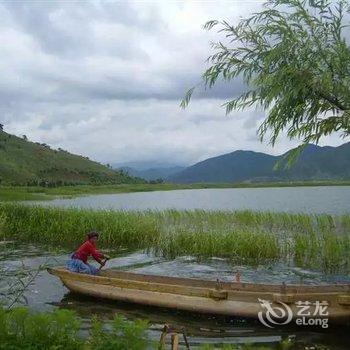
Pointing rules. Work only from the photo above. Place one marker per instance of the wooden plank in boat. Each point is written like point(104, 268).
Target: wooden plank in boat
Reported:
point(259, 287)
point(141, 285)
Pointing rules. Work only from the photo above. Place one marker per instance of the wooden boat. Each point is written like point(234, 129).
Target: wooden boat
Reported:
point(201, 296)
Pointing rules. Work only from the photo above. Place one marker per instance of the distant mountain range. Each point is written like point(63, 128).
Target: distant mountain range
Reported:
point(153, 173)
point(149, 170)
point(146, 165)
point(30, 163)
point(315, 163)
point(27, 163)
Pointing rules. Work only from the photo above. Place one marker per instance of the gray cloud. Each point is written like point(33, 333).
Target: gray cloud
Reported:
point(105, 79)
point(72, 29)
point(75, 51)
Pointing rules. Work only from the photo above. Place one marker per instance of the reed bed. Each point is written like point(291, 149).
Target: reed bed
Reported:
point(238, 245)
point(69, 227)
point(313, 241)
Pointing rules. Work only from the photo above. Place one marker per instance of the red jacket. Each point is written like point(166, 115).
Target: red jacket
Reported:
point(85, 250)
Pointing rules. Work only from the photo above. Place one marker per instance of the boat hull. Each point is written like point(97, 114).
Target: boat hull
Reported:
point(230, 299)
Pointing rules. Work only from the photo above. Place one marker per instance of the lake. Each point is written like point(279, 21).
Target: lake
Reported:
point(48, 293)
point(323, 199)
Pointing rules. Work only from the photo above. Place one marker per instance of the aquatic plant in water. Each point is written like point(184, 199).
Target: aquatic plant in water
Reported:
point(312, 241)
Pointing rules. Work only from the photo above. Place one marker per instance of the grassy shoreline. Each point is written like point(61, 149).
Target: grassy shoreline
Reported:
point(245, 237)
point(23, 193)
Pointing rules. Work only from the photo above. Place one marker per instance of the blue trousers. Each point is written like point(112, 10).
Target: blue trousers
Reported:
point(76, 265)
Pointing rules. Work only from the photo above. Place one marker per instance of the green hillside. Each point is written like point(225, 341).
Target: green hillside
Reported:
point(28, 163)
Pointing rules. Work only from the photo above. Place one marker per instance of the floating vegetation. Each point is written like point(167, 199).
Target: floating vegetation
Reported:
point(313, 241)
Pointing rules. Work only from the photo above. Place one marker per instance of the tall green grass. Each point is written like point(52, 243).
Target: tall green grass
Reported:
point(314, 241)
point(69, 227)
point(239, 245)
point(62, 329)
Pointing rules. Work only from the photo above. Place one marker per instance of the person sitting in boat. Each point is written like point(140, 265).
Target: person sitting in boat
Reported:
point(78, 261)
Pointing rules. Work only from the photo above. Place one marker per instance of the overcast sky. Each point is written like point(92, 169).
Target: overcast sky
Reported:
point(104, 79)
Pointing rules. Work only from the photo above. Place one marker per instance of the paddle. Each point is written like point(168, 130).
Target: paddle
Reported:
point(103, 263)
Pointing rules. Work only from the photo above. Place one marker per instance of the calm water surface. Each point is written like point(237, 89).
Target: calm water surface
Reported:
point(47, 293)
point(324, 199)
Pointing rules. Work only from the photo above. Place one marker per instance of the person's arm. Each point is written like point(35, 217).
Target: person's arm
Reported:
point(96, 254)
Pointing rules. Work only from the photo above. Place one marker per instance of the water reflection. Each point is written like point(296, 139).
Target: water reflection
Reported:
point(196, 326)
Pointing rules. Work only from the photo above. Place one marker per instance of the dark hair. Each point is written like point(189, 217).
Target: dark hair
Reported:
point(92, 234)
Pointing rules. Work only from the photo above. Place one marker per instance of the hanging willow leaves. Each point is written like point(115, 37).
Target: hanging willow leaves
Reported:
point(295, 62)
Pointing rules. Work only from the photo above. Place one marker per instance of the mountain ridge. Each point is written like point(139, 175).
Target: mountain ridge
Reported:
point(314, 163)
point(153, 173)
